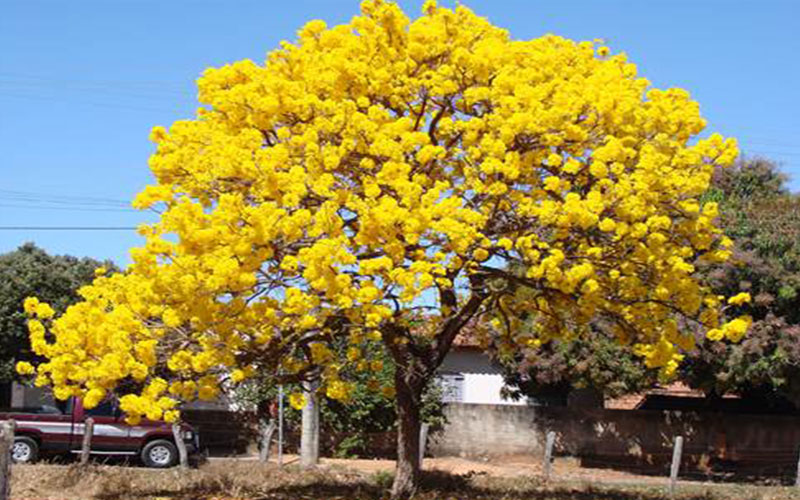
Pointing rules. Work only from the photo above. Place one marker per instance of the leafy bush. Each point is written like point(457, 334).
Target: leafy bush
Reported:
point(358, 427)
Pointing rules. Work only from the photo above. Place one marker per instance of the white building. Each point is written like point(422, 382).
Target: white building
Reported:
point(467, 375)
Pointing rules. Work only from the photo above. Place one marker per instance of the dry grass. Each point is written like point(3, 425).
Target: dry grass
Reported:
point(237, 480)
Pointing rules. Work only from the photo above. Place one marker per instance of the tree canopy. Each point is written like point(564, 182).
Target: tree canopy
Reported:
point(384, 170)
point(593, 361)
point(763, 218)
point(28, 271)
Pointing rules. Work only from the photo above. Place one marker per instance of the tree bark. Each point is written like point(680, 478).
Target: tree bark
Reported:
point(309, 435)
point(415, 365)
point(6, 444)
point(407, 471)
point(267, 431)
point(183, 456)
point(86, 445)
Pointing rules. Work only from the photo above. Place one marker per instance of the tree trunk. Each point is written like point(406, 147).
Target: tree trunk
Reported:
point(406, 477)
point(6, 445)
point(309, 435)
point(183, 455)
point(267, 431)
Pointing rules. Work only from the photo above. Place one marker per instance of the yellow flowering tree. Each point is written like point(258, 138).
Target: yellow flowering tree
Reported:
point(383, 172)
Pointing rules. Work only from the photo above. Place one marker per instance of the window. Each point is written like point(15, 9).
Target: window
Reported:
point(452, 385)
point(107, 408)
point(5, 395)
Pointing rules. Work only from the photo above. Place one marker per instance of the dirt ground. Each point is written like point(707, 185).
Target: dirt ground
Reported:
point(509, 466)
point(505, 478)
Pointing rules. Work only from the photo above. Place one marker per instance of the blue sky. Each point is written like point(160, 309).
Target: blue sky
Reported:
point(82, 83)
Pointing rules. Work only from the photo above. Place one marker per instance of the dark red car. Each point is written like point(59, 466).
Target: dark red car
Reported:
point(51, 430)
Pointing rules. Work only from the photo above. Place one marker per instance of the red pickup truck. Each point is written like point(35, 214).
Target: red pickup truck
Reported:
point(51, 430)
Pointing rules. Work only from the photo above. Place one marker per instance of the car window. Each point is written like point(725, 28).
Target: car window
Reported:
point(48, 410)
point(65, 407)
point(107, 408)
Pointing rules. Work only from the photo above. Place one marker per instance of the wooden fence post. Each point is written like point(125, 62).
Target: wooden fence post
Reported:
point(86, 446)
point(183, 456)
point(6, 444)
point(423, 439)
point(797, 478)
point(548, 454)
point(676, 464)
point(280, 425)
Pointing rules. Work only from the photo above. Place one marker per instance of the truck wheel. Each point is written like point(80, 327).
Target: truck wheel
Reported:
point(25, 450)
point(159, 454)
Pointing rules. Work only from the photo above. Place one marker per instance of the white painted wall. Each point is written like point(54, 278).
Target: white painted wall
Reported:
point(482, 380)
point(484, 388)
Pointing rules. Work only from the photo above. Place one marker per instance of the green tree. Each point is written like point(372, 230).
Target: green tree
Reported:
point(763, 218)
point(29, 271)
point(592, 362)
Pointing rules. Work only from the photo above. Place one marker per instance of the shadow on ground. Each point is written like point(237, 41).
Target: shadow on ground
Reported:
point(435, 485)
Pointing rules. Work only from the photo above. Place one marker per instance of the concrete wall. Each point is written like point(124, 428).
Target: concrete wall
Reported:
point(745, 444)
point(475, 430)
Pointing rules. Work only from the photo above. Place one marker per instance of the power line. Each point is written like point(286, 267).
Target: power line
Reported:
point(28, 200)
point(67, 228)
point(758, 130)
point(43, 88)
point(132, 92)
point(87, 103)
point(64, 203)
point(61, 198)
point(774, 153)
point(19, 76)
point(758, 142)
point(69, 208)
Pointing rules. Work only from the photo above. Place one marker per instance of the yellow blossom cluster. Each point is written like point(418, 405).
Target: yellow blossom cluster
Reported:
point(739, 299)
point(386, 166)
